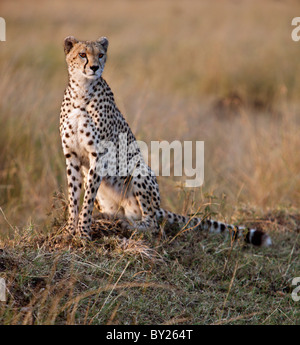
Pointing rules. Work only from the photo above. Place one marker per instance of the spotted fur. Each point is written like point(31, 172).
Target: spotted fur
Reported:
point(90, 117)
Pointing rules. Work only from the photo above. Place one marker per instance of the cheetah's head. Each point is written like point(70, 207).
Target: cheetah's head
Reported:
point(85, 58)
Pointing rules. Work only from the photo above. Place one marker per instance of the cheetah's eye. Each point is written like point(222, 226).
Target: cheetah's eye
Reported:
point(101, 56)
point(82, 55)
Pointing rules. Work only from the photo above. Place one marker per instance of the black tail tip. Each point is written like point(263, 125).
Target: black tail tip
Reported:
point(258, 238)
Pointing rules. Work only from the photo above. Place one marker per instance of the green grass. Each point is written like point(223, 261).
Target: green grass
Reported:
point(130, 278)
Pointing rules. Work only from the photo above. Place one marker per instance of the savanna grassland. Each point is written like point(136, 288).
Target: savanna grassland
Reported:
point(223, 72)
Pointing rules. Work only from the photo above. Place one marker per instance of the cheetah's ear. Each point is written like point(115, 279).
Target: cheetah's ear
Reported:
point(104, 42)
point(69, 43)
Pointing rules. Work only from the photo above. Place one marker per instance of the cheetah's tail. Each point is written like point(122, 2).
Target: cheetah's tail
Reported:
point(252, 236)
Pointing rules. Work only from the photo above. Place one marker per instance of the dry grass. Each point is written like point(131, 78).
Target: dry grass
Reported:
point(225, 72)
point(228, 79)
point(140, 279)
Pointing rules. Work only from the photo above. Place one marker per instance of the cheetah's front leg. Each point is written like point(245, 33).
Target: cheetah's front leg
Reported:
point(74, 179)
point(92, 183)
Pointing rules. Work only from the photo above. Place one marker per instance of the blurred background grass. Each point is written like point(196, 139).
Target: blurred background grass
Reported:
point(225, 72)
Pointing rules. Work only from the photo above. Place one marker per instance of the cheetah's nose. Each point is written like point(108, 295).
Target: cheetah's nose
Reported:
point(94, 68)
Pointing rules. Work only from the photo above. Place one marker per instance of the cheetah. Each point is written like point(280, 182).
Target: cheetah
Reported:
point(89, 119)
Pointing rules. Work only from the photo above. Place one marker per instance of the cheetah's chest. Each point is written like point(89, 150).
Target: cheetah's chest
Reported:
point(78, 134)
